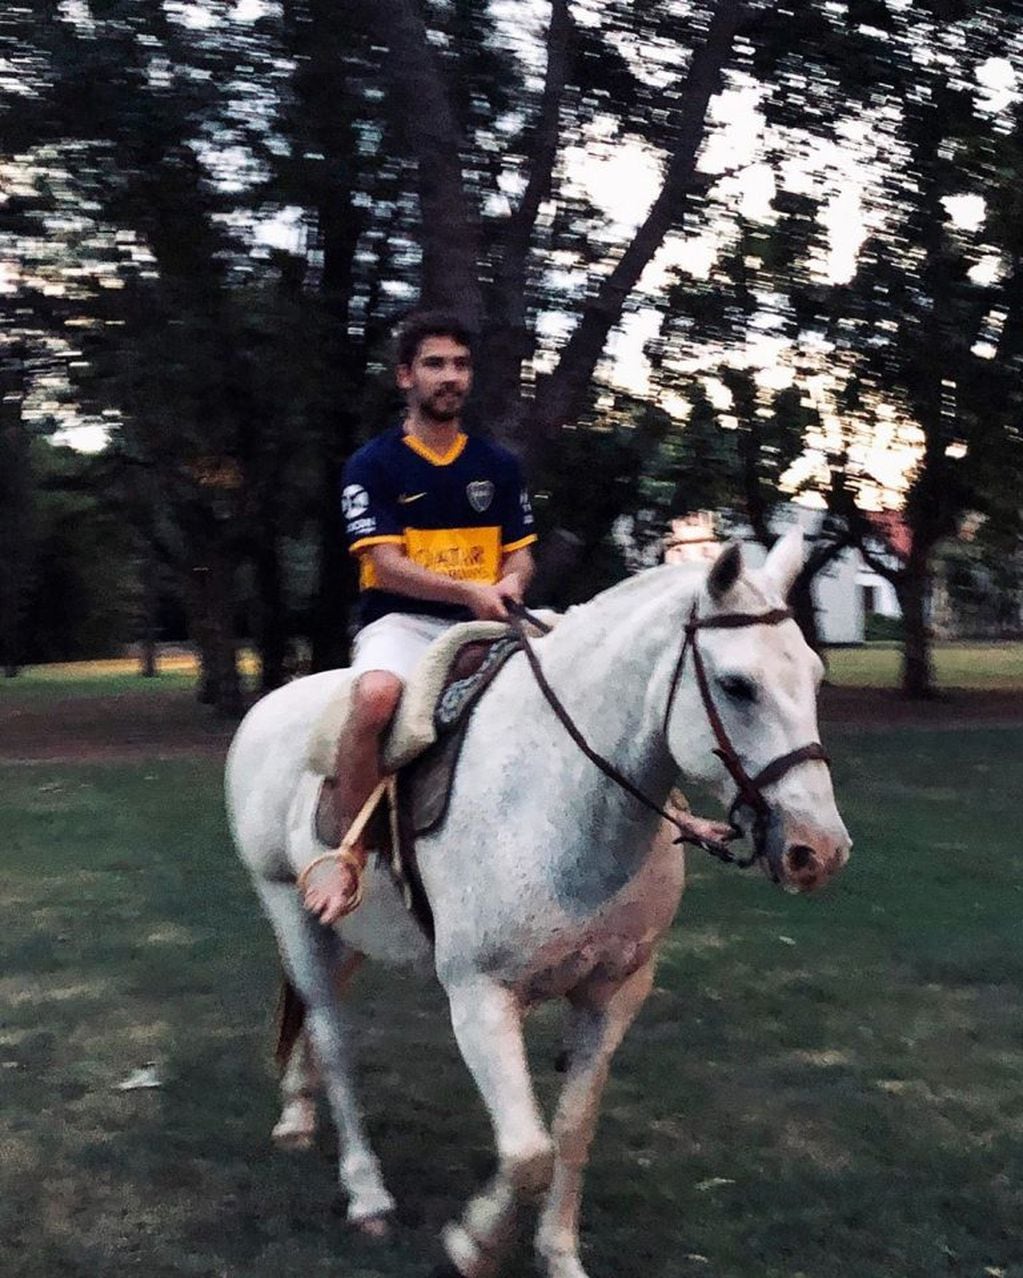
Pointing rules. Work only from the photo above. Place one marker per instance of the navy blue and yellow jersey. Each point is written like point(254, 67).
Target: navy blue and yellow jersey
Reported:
point(457, 514)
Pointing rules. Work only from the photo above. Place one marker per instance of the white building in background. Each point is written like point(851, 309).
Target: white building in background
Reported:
point(844, 592)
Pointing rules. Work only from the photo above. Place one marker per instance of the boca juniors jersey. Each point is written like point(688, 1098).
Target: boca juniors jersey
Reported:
point(457, 514)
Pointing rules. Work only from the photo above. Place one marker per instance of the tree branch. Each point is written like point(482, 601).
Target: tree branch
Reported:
point(561, 396)
point(507, 341)
point(546, 134)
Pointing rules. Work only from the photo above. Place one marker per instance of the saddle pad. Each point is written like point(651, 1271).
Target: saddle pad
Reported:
point(413, 729)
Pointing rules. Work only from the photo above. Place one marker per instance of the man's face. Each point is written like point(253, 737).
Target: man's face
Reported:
point(437, 381)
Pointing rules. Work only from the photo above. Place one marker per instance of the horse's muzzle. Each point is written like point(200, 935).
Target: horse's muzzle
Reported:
point(799, 856)
point(811, 858)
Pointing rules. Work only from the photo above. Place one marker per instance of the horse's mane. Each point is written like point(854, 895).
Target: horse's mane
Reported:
point(657, 583)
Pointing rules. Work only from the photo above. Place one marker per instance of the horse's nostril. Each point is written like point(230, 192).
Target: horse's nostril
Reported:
point(799, 857)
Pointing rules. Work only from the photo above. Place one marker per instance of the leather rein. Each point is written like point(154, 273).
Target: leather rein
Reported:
point(749, 790)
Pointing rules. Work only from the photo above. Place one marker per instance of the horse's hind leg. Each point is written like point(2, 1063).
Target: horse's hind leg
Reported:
point(300, 1083)
point(312, 954)
point(487, 1021)
point(600, 1018)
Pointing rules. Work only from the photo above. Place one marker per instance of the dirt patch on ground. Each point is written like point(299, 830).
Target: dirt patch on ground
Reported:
point(172, 723)
point(130, 725)
point(884, 708)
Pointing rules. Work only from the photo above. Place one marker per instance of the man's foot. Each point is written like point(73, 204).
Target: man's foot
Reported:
point(701, 830)
point(705, 833)
point(332, 891)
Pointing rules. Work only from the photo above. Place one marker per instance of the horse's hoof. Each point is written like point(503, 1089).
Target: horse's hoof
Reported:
point(465, 1257)
point(374, 1228)
point(292, 1138)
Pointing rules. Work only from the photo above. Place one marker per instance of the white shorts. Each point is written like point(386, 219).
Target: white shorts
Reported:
point(396, 643)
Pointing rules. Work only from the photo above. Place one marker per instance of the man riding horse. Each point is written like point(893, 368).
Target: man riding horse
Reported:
point(442, 526)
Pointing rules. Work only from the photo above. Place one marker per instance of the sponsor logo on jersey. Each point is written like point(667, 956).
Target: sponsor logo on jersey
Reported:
point(466, 554)
point(480, 493)
point(405, 498)
point(354, 501)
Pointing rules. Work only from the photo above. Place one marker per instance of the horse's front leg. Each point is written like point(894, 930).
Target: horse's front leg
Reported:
point(312, 954)
point(487, 1021)
point(600, 1017)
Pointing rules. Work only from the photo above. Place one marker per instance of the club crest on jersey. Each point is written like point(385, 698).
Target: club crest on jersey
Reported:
point(480, 493)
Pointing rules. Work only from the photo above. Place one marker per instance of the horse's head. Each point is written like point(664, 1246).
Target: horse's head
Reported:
point(743, 716)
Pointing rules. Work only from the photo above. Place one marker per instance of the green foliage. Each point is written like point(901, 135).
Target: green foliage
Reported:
point(878, 626)
point(83, 593)
point(152, 159)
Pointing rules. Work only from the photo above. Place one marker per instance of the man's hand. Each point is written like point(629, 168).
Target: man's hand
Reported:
point(487, 602)
point(512, 587)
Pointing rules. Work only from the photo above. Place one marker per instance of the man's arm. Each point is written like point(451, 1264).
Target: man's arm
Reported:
point(517, 571)
point(397, 573)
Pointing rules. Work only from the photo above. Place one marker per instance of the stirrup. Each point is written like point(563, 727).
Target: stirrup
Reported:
point(344, 855)
point(349, 853)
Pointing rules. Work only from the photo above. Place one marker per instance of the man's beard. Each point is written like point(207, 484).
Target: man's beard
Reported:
point(430, 408)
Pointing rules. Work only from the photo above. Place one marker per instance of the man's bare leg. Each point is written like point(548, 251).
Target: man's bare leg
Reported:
point(374, 701)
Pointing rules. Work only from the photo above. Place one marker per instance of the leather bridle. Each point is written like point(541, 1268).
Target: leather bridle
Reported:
point(749, 790)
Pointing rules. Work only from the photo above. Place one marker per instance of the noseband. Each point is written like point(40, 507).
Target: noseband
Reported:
point(749, 790)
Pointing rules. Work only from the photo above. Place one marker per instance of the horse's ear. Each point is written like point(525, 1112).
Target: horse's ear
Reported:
point(785, 560)
point(725, 571)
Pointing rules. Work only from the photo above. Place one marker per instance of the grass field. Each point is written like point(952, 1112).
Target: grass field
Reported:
point(110, 677)
point(994, 665)
point(818, 1089)
point(966, 665)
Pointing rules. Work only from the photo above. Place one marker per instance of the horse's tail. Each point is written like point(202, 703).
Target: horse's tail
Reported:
point(290, 1019)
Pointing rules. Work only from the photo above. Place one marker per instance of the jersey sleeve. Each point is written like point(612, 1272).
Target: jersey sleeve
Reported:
point(517, 524)
point(369, 504)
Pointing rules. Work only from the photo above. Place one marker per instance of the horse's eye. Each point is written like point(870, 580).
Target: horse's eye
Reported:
point(738, 688)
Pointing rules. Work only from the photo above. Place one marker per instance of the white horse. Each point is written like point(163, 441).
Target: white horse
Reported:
point(546, 879)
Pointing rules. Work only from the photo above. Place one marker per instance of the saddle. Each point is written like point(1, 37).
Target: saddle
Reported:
point(422, 747)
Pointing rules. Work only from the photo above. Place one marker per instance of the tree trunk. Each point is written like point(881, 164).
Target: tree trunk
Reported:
point(801, 598)
point(421, 108)
point(337, 588)
point(917, 668)
point(273, 622)
point(211, 606)
point(15, 505)
point(804, 610)
point(150, 596)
